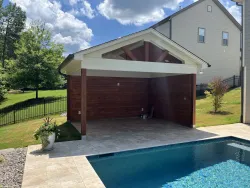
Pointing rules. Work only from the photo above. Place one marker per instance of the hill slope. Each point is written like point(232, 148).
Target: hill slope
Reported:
point(231, 110)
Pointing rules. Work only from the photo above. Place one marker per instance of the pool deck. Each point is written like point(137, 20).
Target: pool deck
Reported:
point(67, 166)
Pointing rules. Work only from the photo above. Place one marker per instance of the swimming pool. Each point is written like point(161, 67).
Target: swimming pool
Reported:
point(223, 163)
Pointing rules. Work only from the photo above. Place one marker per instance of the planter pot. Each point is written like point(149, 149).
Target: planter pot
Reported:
point(51, 140)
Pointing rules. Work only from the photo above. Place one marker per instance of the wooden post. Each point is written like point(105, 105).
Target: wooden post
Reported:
point(83, 101)
point(193, 98)
point(146, 47)
point(68, 97)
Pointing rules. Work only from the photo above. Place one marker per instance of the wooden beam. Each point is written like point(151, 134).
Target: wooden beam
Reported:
point(162, 56)
point(68, 97)
point(146, 48)
point(129, 53)
point(83, 101)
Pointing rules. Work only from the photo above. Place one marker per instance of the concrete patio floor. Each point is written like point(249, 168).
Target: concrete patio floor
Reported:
point(67, 166)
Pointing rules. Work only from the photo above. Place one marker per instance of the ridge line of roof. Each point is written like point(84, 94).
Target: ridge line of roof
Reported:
point(175, 14)
point(223, 9)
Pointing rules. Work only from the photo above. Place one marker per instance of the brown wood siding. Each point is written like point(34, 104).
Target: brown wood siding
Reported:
point(172, 98)
point(108, 100)
point(105, 99)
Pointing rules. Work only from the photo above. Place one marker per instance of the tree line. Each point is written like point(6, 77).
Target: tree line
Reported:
point(29, 57)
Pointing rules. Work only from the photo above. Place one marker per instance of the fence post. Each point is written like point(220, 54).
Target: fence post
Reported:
point(44, 108)
point(201, 93)
point(234, 81)
point(14, 113)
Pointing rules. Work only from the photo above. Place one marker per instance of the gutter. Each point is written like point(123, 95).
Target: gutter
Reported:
point(64, 63)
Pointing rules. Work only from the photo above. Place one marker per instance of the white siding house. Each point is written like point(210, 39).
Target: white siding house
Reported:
point(246, 61)
point(214, 22)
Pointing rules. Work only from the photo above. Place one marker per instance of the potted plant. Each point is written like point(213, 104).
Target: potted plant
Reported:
point(47, 133)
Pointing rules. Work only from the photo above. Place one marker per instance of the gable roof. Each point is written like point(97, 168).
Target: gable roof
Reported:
point(223, 9)
point(133, 36)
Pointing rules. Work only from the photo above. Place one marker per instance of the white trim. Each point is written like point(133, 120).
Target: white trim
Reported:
point(136, 66)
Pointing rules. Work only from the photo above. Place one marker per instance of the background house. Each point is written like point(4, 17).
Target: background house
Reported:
point(208, 30)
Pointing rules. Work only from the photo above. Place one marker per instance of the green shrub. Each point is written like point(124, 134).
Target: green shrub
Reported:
point(217, 90)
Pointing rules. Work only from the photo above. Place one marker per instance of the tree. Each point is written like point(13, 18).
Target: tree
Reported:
point(37, 59)
point(12, 22)
point(217, 90)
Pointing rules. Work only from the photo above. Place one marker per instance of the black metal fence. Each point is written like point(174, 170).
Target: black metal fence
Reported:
point(232, 82)
point(32, 108)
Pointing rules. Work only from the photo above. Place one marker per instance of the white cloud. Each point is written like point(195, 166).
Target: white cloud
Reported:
point(73, 2)
point(66, 28)
point(82, 8)
point(87, 10)
point(136, 12)
point(236, 12)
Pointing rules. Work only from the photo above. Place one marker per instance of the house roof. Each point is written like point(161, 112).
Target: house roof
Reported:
point(129, 37)
point(194, 4)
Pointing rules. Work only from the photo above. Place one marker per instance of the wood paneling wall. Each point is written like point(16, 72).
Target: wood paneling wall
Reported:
point(109, 97)
point(173, 97)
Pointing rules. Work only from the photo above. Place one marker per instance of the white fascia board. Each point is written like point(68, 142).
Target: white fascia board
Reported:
point(137, 66)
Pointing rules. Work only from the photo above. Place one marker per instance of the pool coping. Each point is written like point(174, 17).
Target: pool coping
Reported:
point(95, 156)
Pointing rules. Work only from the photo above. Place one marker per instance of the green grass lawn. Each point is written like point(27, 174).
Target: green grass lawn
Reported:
point(26, 107)
point(21, 134)
point(13, 98)
point(230, 110)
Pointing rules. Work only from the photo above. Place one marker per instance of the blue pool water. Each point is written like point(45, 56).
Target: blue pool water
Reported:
point(213, 163)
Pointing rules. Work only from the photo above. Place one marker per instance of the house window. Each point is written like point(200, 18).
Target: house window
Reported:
point(201, 35)
point(209, 8)
point(225, 38)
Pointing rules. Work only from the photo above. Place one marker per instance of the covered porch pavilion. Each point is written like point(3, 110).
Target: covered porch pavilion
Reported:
point(142, 73)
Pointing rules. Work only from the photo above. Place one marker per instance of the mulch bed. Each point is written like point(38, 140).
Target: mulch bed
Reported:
point(12, 166)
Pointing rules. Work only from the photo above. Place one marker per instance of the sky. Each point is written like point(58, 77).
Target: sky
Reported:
point(79, 24)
